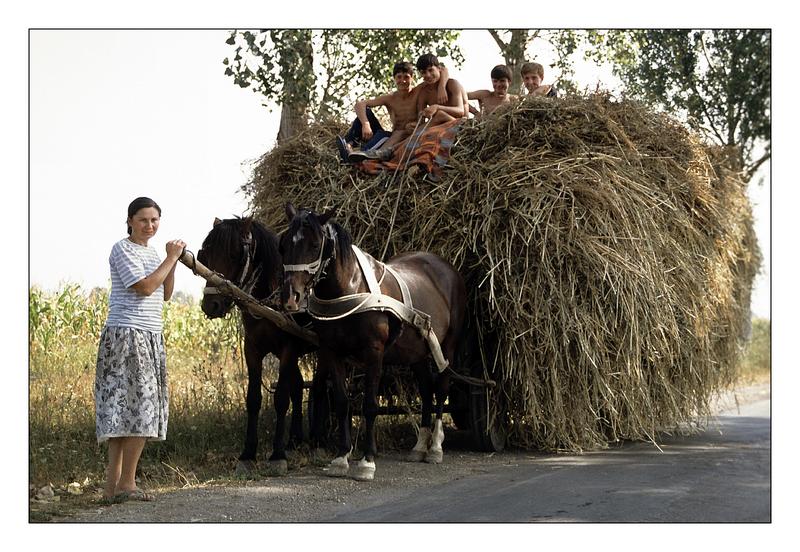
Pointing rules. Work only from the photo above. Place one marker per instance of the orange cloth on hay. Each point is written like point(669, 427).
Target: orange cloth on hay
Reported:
point(431, 150)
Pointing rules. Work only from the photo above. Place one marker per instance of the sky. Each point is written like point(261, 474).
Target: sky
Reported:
point(77, 190)
point(116, 114)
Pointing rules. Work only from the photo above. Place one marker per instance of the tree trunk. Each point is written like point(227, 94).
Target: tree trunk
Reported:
point(297, 73)
point(293, 120)
point(513, 53)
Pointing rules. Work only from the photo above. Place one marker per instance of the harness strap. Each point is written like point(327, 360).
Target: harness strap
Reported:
point(366, 270)
point(406, 294)
point(342, 307)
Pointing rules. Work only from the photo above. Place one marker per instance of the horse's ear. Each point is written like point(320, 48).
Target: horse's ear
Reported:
point(247, 224)
point(323, 219)
point(216, 221)
point(291, 212)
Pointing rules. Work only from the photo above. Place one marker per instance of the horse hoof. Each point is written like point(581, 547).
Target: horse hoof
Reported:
point(338, 467)
point(416, 456)
point(276, 468)
point(245, 468)
point(434, 456)
point(363, 471)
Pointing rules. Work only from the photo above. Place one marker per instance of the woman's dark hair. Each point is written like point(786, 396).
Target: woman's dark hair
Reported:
point(141, 203)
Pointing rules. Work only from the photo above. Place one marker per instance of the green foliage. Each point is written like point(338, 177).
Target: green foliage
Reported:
point(323, 72)
point(719, 81)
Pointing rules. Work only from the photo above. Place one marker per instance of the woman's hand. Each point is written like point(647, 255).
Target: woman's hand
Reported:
point(175, 249)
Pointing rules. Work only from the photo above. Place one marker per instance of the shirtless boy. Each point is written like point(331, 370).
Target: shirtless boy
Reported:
point(432, 103)
point(402, 108)
point(429, 104)
point(490, 100)
point(532, 77)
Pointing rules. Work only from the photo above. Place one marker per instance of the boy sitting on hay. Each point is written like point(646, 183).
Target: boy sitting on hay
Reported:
point(402, 107)
point(489, 100)
point(532, 77)
point(456, 106)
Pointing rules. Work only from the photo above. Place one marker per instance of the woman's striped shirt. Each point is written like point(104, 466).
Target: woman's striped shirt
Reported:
point(131, 262)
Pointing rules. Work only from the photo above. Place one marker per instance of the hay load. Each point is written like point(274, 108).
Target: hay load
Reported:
point(609, 257)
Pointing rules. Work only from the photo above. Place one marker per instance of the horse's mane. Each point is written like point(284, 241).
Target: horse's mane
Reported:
point(344, 242)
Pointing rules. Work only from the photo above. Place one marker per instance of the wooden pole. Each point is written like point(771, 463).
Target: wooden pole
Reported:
point(227, 288)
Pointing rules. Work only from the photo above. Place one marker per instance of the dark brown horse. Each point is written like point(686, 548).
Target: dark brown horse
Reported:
point(319, 260)
point(246, 253)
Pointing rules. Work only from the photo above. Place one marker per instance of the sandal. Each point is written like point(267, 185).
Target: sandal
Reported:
point(108, 500)
point(135, 494)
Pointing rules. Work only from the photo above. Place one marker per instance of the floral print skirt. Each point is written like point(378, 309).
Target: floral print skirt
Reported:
point(130, 386)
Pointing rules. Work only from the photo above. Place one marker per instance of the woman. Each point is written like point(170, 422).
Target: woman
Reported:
point(131, 400)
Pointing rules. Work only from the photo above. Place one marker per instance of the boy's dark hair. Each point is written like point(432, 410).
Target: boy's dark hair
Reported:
point(532, 67)
point(426, 60)
point(501, 72)
point(141, 203)
point(403, 67)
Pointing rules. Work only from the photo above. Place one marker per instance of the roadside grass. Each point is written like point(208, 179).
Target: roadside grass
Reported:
point(756, 364)
point(208, 384)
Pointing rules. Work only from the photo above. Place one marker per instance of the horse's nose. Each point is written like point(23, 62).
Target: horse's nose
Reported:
point(290, 297)
point(212, 307)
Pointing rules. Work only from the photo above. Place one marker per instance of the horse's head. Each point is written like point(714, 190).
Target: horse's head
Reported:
point(306, 247)
point(227, 250)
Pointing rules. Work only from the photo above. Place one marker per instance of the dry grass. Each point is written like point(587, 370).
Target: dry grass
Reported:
point(608, 253)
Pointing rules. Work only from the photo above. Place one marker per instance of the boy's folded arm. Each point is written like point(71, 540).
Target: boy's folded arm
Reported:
point(362, 105)
point(478, 94)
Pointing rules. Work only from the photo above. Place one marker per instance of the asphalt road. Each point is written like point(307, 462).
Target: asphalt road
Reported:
point(721, 475)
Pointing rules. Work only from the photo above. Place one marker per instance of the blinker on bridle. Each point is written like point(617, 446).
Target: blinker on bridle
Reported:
point(246, 286)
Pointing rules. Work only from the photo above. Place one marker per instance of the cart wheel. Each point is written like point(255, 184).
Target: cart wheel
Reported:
point(487, 437)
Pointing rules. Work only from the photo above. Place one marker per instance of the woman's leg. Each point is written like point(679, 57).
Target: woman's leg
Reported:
point(131, 451)
point(114, 468)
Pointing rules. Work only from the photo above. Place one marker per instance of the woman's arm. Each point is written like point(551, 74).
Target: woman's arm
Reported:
point(169, 283)
point(146, 286)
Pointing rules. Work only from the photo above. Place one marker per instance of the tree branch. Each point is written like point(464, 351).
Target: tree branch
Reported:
point(712, 126)
point(502, 45)
point(751, 170)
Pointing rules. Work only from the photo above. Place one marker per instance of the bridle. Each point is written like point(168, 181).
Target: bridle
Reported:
point(247, 279)
point(317, 268)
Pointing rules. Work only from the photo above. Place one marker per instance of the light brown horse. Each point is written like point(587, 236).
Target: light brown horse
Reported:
point(318, 258)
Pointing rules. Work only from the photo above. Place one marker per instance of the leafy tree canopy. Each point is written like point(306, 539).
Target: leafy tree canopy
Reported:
point(719, 80)
point(322, 72)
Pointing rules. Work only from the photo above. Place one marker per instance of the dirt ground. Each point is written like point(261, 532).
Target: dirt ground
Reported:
point(306, 494)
